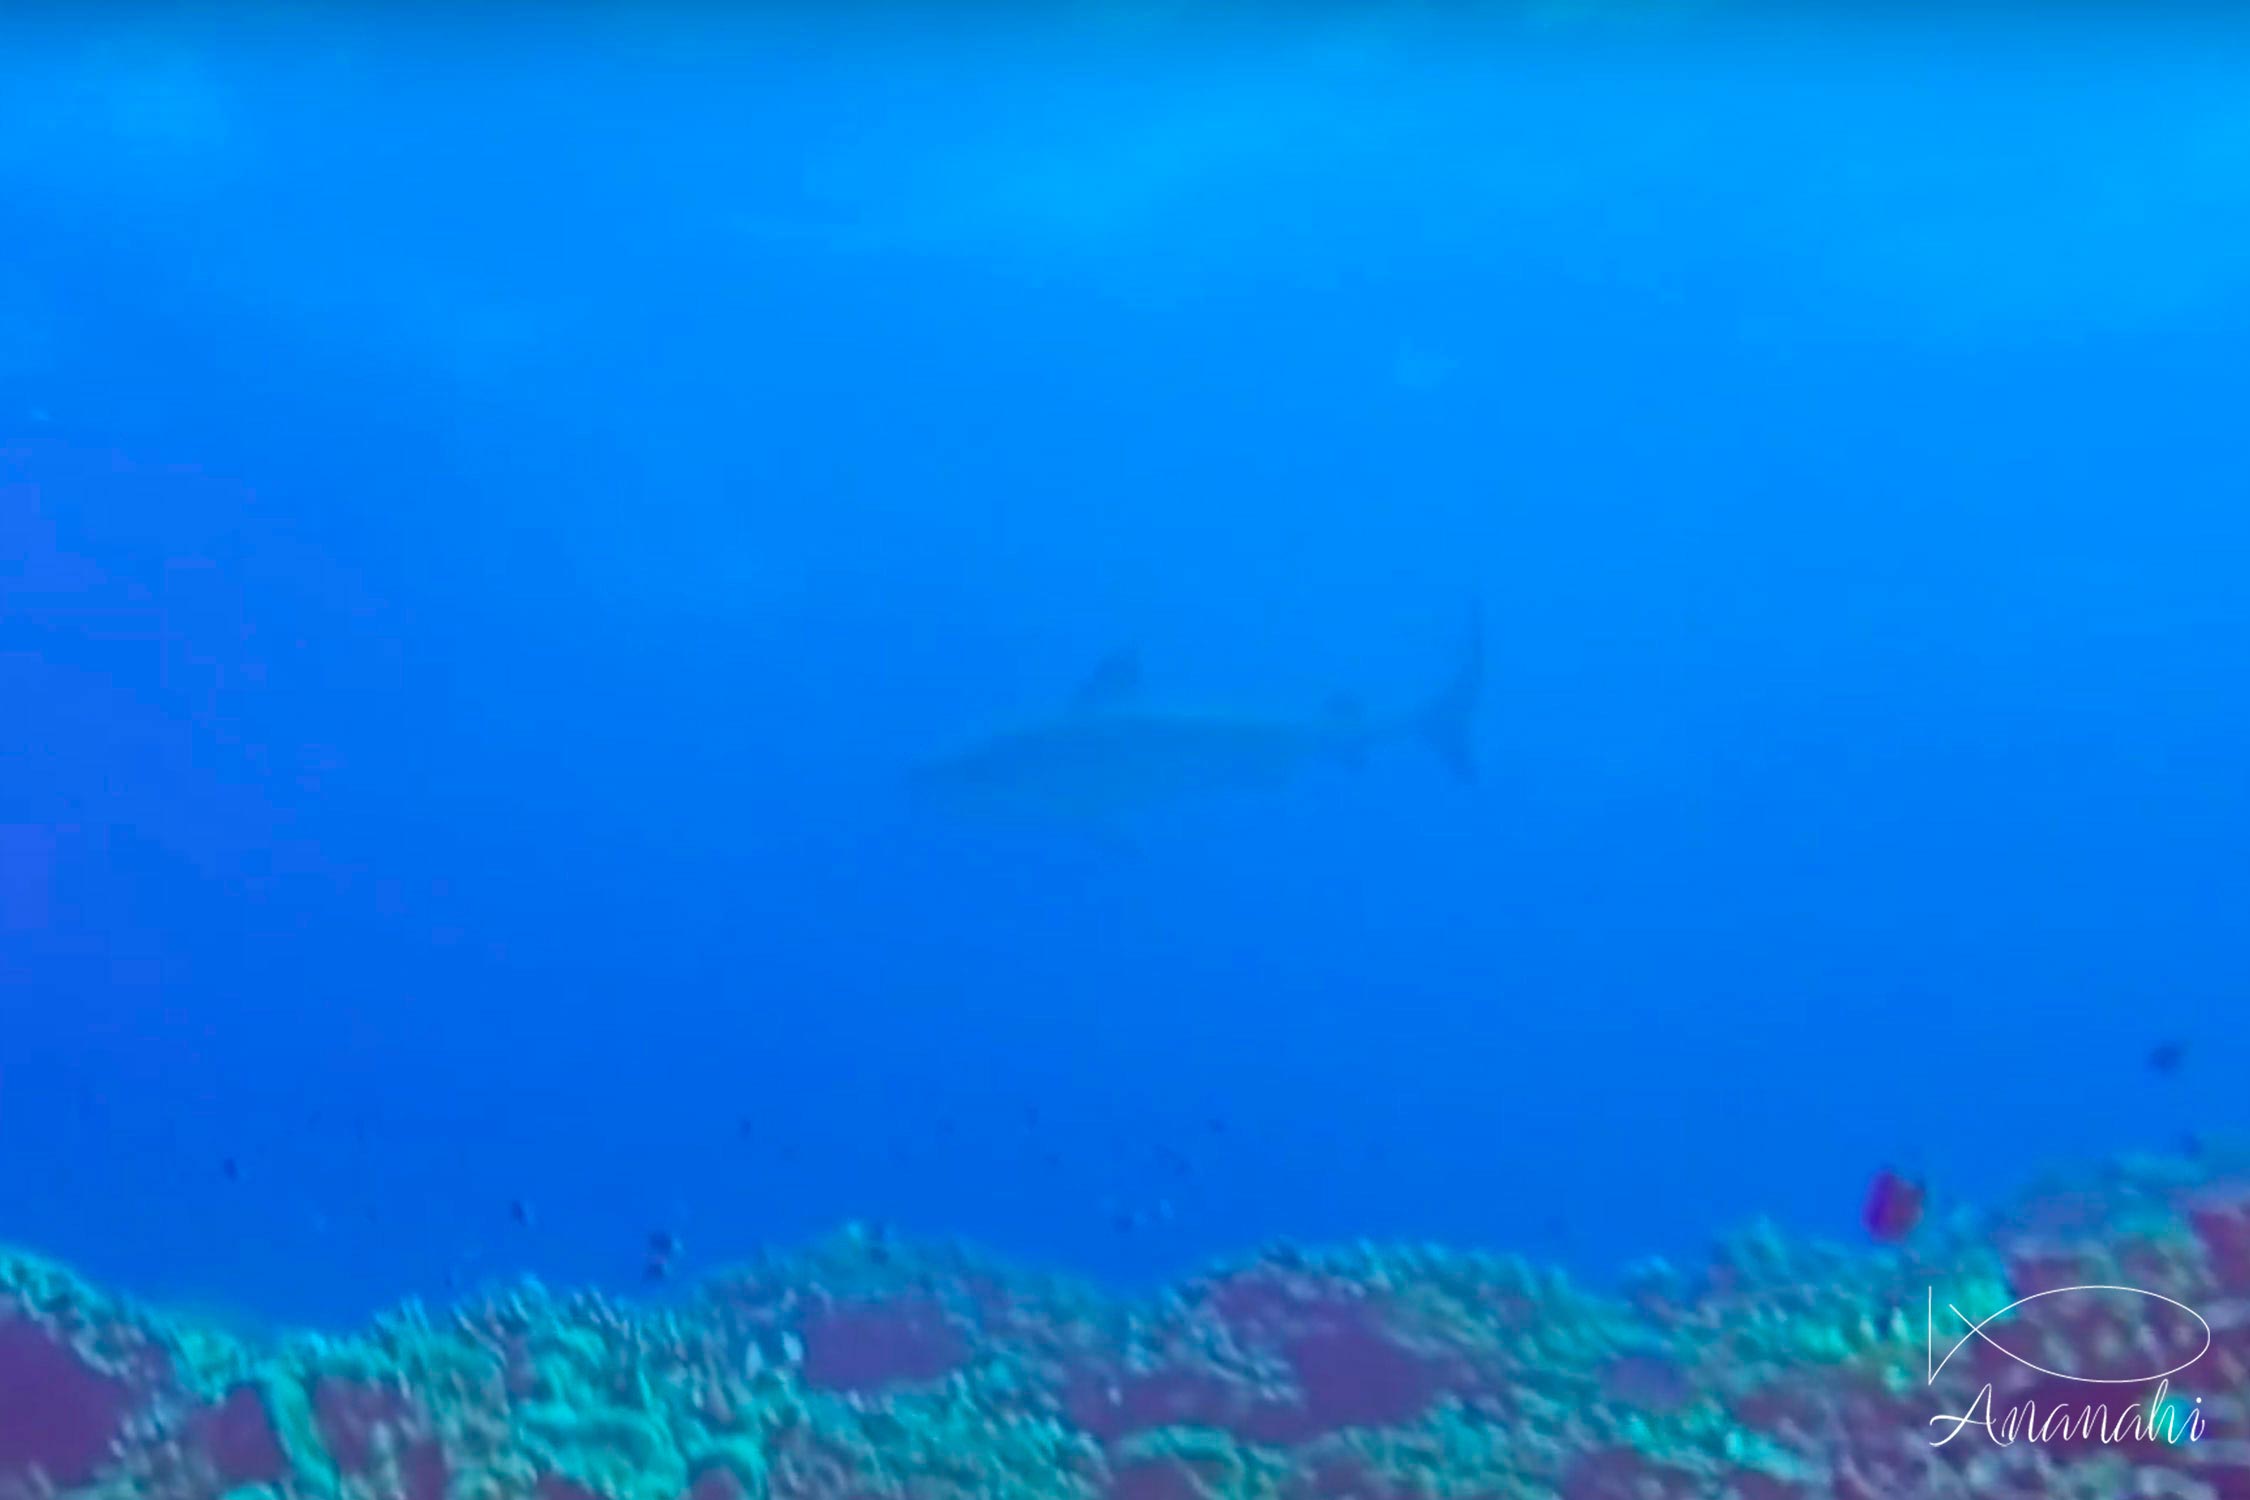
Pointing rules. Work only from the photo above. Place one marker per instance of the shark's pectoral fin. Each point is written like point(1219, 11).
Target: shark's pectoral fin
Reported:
point(1117, 679)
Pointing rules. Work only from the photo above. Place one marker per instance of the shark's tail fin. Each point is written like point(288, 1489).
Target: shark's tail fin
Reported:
point(1447, 723)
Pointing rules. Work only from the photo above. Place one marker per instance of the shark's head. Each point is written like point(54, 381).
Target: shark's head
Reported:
point(1027, 771)
point(1064, 771)
point(991, 781)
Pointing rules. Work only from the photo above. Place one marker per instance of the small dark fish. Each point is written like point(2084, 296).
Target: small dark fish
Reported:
point(2166, 1057)
point(1215, 1125)
point(1893, 1207)
point(231, 1169)
point(520, 1211)
point(663, 1244)
point(743, 1128)
point(657, 1268)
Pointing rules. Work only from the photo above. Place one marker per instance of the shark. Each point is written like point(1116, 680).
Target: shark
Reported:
point(1108, 752)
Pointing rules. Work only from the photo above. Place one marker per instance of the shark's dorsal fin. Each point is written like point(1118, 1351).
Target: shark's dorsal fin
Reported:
point(1114, 680)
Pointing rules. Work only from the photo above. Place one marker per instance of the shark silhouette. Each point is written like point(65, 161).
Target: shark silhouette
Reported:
point(1109, 753)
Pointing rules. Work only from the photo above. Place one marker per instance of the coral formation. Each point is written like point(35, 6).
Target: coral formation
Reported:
point(867, 1369)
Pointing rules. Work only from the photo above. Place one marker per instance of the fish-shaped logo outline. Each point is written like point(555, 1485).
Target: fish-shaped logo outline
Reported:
point(1976, 1329)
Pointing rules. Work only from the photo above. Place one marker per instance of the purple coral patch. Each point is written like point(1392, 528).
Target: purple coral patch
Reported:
point(58, 1414)
point(1113, 1405)
point(1352, 1375)
point(865, 1346)
point(423, 1471)
point(237, 1436)
point(2222, 1223)
point(350, 1415)
point(718, 1482)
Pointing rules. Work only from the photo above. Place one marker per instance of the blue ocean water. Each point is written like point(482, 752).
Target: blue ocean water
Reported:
point(492, 509)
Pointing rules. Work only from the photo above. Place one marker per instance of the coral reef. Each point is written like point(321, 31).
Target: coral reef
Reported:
point(864, 1368)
